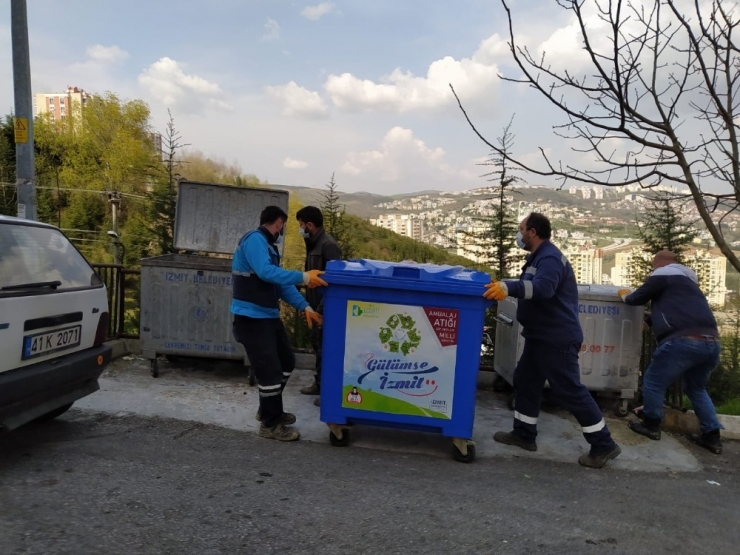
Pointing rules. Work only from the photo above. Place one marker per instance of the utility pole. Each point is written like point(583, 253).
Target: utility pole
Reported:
point(25, 174)
point(114, 197)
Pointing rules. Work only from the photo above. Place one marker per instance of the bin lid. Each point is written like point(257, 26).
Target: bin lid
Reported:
point(594, 292)
point(406, 275)
point(212, 218)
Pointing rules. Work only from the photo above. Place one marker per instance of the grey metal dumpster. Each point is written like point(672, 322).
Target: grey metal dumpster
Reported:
point(610, 353)
point(185, 298)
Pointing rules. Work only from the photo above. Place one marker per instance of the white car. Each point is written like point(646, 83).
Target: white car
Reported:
point(53, 323)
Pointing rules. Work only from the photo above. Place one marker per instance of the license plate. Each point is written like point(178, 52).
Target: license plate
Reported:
point(40, 344)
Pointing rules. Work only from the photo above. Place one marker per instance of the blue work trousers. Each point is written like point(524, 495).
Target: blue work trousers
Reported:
point(558, 364)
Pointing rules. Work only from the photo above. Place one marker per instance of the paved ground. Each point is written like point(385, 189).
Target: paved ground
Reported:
point(218, 393)
point(95, 483)
point(117, 476)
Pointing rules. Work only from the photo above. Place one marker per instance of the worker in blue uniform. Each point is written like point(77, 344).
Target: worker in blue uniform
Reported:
point(259, 283)
point(547, 309)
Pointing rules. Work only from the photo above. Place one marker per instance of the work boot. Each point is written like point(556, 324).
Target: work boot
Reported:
point(599, 458)
point(280, 432)
point(710, 440)
point(510, 438)
point(312, 389)
point(649, 427)
point(287, 418)
point(317, 402)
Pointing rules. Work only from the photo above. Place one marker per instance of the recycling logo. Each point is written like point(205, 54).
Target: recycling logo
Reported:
point(400, 335)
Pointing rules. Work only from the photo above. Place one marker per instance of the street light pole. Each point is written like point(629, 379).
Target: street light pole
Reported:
point(24, 165)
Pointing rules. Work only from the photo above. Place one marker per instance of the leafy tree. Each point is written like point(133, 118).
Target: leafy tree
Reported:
point(335, 220)
point(8, 199)
point(656, 100)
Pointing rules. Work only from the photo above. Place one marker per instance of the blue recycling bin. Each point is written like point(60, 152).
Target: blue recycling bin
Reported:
point(401, 348)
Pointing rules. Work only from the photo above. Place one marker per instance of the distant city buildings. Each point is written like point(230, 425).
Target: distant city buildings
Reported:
point(60, 105)
point(407, 225)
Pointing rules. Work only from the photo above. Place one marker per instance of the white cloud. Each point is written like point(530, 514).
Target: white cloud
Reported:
point(292, 164)
point(399, 157)
point(272, 30)
point(106, 54)
point(299, 101)
point(474, 79)
point(168, 83)
point(315, 13)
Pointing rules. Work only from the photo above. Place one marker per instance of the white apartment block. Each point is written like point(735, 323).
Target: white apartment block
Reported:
point(59, 105)
point(408, 225)
point(587, 264)
point(711, 271)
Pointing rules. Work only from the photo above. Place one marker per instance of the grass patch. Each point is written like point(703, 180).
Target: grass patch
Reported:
point(730, 407)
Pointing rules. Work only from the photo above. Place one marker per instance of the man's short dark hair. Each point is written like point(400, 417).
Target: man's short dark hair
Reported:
point(271, 214)
point(310, 215)
point(541, 224)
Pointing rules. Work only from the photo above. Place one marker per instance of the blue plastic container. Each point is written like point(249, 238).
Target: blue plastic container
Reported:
point(402, 345)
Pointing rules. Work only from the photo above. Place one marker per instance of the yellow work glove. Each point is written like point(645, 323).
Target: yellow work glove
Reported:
point(312, 280)
point(496, 291)
point(313, 318)
point(623, 293)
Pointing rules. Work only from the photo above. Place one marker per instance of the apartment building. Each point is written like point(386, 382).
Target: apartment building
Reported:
point(587, 264)
point(408, 225)
point(60, 105)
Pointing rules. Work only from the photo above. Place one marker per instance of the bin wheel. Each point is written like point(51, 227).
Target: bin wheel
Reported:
point(459, 457)
point(252, 378)
point(511, 400)
point(155, 368)
point(336, 442)
point(621, 411)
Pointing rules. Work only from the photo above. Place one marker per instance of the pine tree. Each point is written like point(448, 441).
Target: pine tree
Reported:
point(164, 192)
point(335, 220)
point(663, 226)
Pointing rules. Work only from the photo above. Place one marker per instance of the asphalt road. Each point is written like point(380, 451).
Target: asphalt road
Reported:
point(91, 483)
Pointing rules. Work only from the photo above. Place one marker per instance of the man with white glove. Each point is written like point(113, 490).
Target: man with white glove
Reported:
point(548, 312)
point(259, 283)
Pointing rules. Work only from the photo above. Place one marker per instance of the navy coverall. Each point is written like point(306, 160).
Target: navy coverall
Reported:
point(548, 312)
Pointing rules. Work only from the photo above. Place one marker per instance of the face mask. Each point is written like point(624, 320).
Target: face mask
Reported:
point(279, 239)
point(520, 240)
point(304, 233)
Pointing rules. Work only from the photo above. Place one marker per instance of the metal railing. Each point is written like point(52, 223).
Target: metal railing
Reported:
point(123, 299)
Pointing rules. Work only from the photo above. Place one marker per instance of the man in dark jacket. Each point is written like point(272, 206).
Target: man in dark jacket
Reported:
point(320, 249)
point(688, 347)
point(548, 312)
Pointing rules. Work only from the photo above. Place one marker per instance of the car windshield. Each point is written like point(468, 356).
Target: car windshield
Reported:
point(40, 258)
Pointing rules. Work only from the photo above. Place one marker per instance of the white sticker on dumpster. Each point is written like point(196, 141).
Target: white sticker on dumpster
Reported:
point(400, 359)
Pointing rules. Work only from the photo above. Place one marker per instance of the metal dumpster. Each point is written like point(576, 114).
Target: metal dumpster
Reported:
point(185, 298)
point(612, 342)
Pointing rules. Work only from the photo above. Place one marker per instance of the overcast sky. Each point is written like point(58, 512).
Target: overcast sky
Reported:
point(293, 91)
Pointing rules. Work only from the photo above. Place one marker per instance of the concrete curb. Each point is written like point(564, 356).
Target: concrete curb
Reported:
point(673, 420)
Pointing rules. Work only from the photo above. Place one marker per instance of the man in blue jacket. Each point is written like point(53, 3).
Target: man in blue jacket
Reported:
point(258, 285)
point(547, 309)
point(688, 347)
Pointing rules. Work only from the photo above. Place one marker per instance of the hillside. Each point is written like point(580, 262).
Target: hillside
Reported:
point(382, 244)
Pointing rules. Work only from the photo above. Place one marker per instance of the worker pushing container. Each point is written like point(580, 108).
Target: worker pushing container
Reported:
point(402, 348)
point(612, 342)
point(185, 298)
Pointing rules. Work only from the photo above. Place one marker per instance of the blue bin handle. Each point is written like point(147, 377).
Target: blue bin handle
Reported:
point(406, 272)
